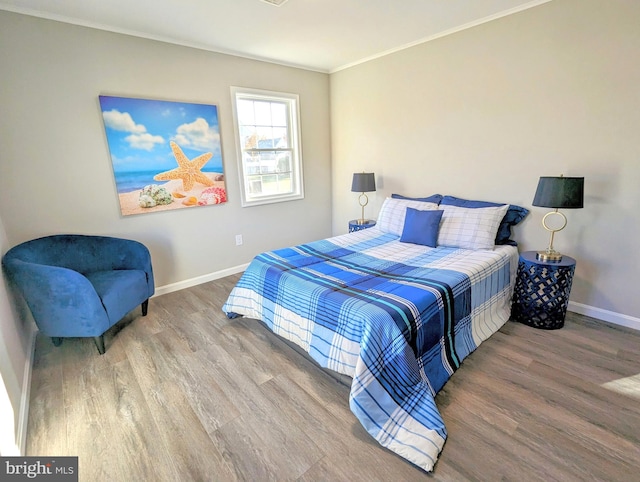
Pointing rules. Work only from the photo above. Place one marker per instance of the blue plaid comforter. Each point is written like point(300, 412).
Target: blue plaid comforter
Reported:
point(398, 318)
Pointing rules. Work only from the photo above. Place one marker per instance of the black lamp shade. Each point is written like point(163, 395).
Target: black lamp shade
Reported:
point(363, 182)
point(560, 192)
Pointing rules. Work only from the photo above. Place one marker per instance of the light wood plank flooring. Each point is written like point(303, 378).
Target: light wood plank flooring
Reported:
point(185, 394)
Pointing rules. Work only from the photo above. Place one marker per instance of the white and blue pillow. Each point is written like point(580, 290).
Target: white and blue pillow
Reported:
point(393, 211)
point(513, 216)
point(470, 228)
point(467, 224)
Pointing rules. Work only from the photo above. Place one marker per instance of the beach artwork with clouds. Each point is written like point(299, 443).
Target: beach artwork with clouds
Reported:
point(165, 155)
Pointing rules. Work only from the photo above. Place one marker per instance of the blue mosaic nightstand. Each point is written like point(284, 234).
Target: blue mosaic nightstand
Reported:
point(357, 225)
point(541, 294)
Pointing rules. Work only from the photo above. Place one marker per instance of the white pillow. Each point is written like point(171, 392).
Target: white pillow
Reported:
point(393, 211)
point(470, 228)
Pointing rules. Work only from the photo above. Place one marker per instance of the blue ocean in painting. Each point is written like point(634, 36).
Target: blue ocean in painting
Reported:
point(133, 181)
point(140, 132)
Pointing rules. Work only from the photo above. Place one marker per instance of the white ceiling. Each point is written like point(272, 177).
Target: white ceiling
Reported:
point(322, 35)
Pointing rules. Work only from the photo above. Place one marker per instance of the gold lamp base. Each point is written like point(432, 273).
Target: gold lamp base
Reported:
point(549, 256)
point(363, 199)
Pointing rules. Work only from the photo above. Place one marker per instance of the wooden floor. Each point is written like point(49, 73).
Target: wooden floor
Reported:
point(186, 394)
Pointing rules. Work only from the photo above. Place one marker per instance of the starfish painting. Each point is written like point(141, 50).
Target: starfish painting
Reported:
point(188, 171)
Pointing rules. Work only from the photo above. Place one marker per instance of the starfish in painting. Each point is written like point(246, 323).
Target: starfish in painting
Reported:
point(188, 171)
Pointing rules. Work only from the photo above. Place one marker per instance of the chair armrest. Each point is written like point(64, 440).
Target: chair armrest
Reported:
point(130, 254)
point(56, 295)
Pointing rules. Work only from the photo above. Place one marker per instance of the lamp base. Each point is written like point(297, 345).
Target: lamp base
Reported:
point(549, 256)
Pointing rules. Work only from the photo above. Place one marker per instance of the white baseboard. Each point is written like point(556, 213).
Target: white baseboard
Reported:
point(23, 417)
point(180, 285)
point(605, 315)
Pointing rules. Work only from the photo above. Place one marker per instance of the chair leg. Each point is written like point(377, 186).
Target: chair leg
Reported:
point(56, 340)
point(99, 343)
point(145, 307)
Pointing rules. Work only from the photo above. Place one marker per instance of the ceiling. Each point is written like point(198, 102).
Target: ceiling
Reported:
point(321, 35)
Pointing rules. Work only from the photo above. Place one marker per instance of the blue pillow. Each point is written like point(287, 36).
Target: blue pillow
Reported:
point(514, 215)
point(434, 198)
point(421, 227)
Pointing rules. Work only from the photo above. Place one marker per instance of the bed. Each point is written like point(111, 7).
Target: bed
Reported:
point(394, 309)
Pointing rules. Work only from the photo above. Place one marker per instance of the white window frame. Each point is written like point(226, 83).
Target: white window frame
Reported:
point(249, 198)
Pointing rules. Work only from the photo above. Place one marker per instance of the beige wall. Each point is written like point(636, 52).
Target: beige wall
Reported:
point(55, 169)
point(482, 113)
point(485, 112)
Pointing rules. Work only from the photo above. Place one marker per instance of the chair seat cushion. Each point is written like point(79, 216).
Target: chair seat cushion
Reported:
point(120, 290)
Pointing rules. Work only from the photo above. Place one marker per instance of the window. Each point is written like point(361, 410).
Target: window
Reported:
point(268, 144)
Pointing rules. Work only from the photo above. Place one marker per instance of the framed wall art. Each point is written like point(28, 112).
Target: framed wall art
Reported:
point(165, 155)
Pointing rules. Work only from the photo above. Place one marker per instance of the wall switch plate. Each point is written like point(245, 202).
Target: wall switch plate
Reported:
point(238, 239)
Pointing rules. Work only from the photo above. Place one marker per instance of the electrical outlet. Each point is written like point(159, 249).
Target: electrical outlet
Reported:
point(238, 239)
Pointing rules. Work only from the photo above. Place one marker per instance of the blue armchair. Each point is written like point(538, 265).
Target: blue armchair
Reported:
point(80, 286)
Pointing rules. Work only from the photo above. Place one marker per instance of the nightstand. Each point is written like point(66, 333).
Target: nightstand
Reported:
point(542, 290)
point(357, 225)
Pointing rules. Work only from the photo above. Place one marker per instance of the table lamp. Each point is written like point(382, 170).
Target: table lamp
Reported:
point(363, 182)
point(558, 193)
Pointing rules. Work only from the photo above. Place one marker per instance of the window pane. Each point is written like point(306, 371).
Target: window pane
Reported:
point(263, 113)
point(249, 137)
point(280, 137)
point(279, 114)
point(251, 164)
point(245, 112)
point(255, 185)
point(284, 162)
point(265, 138)
point(268, 161)
point(284, 181)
